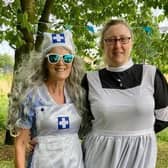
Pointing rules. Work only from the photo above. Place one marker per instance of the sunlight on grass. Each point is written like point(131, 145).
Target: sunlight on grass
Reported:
point(163, 135)
point(6, 164)
point(3, 110)
point(5, 85)
point(162, 157)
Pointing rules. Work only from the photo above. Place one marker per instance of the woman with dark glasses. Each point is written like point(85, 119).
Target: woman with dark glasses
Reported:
point(51, 107)
point(128, 104)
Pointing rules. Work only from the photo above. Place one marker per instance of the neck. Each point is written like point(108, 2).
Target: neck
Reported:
point(56, 90)
point(122, 67)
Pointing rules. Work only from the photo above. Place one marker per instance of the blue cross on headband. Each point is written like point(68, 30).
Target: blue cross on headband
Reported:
point(58, 38)
point(63, 122)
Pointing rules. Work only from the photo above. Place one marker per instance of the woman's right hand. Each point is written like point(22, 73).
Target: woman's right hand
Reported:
point(31, 145)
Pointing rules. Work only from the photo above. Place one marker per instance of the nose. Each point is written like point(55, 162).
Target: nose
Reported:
point(60, 61)
point(117, 43)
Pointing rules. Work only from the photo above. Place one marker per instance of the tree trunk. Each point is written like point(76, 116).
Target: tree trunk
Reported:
point(27, 6)
point(22, 52)
point(19, 56)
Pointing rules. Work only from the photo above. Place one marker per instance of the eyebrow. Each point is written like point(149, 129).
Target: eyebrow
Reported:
point(119, 36)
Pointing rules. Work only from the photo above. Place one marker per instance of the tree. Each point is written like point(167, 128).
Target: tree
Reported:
point(22, 19)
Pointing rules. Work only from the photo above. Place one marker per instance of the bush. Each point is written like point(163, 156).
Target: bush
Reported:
point(5, 85)
point(163, 135)
point(3, 110)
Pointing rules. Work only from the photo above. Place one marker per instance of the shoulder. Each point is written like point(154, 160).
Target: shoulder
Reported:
point(89, 74)
point(144, 67)
point(89, 77)
point(157, 72)
point(160, 79)
point(148, 71)
point(149, 67)
point(32, 94)
point(32, 91)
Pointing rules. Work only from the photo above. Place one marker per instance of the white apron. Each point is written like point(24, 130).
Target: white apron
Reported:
point(57, 135)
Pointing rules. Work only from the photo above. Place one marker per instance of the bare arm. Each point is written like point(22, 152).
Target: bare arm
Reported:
point(20, 148)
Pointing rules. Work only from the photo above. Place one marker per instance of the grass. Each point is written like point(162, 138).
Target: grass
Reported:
point(163, 136)
point(6, 152)
point(5, 86)
point(3, 110)
point(162, 157)
point(6, 164)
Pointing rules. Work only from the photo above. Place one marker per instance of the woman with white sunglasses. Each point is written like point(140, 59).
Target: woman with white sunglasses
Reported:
point(51, 107)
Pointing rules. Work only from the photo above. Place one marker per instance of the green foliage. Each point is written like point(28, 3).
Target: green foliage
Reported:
point(163, 135)
point(3, 110)
point(6, 61)
point(6, 164)
point(76, 14)
point(23, 21)
point(5, 84)
point(151, 47)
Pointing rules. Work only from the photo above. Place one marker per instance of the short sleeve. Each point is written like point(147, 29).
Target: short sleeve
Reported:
point(161, 101)
point(26, 113)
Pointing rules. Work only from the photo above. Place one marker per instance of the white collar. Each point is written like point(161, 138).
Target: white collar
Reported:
point(120, 68)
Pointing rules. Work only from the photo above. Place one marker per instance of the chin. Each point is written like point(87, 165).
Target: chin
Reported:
point(117, 63)
point(61, 78)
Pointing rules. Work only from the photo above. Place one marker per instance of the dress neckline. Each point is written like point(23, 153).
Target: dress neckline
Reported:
point(120, 68)
point(67, 98)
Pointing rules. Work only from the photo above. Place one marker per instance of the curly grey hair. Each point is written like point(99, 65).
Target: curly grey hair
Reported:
point(33, 73)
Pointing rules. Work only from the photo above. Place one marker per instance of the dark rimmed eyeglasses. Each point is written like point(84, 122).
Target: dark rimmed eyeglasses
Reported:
point(112, 41)
point(54, 58)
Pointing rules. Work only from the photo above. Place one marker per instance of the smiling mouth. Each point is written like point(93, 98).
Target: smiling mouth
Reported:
point(60, 69)
point(117, 53)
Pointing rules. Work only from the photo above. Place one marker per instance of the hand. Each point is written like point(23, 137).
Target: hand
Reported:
point(31, 145)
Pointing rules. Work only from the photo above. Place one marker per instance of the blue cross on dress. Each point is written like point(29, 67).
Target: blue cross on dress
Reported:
point(58, 38)
point(63, 122)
